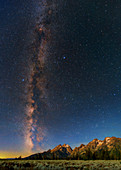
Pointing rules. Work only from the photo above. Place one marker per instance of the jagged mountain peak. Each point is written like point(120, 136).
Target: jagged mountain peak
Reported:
point(81, 146)
point(95, 139)
point(65, 148)
point(110, 144)
point(65, 145)
point(57, 148)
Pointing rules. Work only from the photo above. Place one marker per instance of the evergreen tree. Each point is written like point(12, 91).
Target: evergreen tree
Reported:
point(101, 156)
point(106, 155)
point(88, 154)
point(111, 155)
point(94, 156)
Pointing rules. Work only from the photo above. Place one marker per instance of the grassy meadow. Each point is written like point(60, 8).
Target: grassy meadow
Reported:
point(60, 164)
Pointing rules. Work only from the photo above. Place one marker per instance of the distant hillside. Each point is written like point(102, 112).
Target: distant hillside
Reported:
point(109, 148)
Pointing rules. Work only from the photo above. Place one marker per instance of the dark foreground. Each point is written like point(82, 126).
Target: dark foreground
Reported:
point(60, 165)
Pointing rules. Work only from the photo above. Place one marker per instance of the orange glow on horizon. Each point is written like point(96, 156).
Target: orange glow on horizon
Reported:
point(6, 154)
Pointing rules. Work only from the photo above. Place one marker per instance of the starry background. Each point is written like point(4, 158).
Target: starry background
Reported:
point(86, 64)
point(83, 72)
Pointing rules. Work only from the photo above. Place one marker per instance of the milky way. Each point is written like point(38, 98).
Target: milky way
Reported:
point(37, 81)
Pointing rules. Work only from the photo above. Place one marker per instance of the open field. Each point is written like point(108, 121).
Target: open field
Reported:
point(60, 165)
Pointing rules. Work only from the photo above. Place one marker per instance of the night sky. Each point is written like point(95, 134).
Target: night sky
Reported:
point(60, 73)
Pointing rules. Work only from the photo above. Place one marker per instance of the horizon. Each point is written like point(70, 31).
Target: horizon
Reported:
point(26, 155)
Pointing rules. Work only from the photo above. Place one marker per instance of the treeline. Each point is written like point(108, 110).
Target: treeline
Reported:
point(88, 155)
point(97, 155)
point(40, 156)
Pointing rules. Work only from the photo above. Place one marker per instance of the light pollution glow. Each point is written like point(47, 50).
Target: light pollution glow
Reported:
point(12, 154)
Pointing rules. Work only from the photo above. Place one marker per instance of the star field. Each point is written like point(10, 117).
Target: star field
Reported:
point(86, 66)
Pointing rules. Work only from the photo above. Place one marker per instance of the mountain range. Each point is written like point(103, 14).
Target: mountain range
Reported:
point(109, 148)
